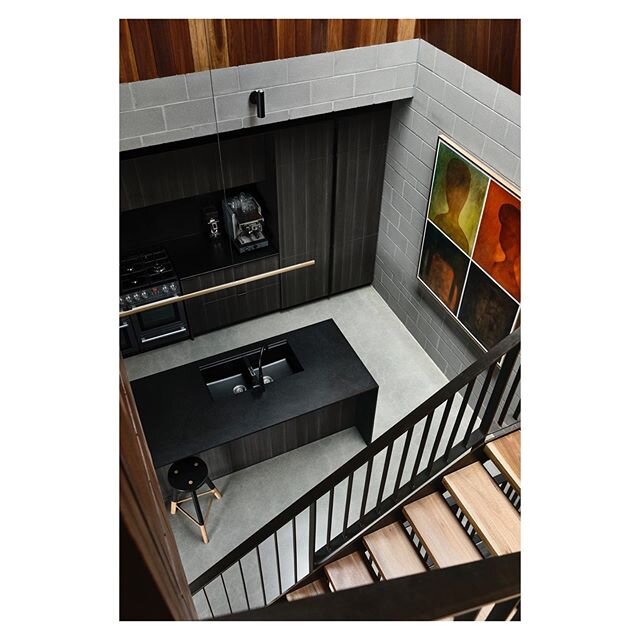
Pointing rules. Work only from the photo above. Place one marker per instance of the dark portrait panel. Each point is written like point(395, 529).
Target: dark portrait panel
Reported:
point(443, 267)
point(457, 197)
point(497, 249)
point(486, 310)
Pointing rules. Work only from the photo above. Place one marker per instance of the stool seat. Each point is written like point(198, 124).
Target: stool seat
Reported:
point(188, 474)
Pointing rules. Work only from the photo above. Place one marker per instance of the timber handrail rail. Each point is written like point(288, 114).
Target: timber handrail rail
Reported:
point(218, 287)
point(424, 596)
point(485, 361)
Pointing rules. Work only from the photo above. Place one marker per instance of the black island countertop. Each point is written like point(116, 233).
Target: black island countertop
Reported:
point(180, 418)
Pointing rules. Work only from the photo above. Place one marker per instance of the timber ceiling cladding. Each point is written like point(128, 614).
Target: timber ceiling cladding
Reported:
point(158, 48)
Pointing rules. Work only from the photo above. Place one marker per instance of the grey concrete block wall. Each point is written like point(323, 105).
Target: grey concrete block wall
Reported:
point(294, 88)
point(483, 117)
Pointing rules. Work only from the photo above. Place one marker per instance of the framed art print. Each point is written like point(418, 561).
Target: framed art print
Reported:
point(470, 254)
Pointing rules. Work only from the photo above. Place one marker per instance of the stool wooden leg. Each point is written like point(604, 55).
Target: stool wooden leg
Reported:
point(174, 501)
point(214, 489)
point(196, 504)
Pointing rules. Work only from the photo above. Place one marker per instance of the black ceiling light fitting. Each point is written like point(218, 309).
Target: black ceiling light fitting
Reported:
point(257, 97)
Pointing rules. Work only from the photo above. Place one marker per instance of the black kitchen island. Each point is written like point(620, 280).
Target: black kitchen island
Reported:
point(331, 390)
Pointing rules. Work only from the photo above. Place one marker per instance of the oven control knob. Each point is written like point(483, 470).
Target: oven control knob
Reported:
point(145, 294)
point(127, 298)
point(172, 286)
point(136, 296)
point(165, 289)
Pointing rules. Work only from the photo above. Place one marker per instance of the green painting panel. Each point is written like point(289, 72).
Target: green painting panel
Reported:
point(457, 197)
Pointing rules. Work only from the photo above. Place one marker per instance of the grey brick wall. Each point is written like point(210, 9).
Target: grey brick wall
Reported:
point(483, 117)
point(180, 107)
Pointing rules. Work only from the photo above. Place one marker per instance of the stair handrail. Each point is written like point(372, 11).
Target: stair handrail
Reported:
point(507, 348)
point(447, 592)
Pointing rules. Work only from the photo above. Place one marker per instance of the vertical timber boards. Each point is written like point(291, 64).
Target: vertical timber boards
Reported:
point(158, 48)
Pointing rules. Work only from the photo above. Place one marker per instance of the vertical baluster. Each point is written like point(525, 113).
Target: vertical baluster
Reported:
point(264, 591)
point(503, 610)
point(423, 442)
point(403, 460)
point(385, 470)
point(476, 411)
point(507, 402)
point(330, 517)
point(498, 390)
point(367, 480)
point(456, 424)
point(244, 584)
point(204, 590)
point(295, 552)
point(312, 535)
point(347, 503)
point(443, 423)
point(278, 563)
point(226, 593)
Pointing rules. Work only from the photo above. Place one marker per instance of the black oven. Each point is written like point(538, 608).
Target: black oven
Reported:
point(161, 326)
point(145, 278)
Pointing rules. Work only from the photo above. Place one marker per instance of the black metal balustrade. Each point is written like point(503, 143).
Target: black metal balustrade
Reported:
point(460, 592)
point(452, 422)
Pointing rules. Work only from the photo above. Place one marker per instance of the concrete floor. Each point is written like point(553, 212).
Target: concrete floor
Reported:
point(406, 377)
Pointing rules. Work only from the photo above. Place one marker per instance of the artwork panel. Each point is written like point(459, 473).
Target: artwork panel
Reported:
point(497, 248)
point(486, 310)
point(457, 196)
point(443, 267)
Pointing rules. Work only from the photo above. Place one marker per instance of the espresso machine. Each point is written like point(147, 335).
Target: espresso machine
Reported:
point(245, 222)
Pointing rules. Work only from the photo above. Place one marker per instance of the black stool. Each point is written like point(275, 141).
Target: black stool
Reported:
point(187, 476)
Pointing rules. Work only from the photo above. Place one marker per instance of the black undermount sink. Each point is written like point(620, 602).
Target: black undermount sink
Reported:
point(232, 376)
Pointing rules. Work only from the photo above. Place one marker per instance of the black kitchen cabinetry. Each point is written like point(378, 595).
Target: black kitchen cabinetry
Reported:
point(319, 181)
point(304, 157)
point(360, 160)
point(331, 391)
point(236, 304)
point(152, 176)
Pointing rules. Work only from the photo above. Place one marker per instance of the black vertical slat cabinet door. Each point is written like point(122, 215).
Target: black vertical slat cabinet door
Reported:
point(304, 176)
point(360, 157)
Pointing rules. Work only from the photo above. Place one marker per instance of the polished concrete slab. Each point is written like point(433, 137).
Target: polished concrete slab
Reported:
point(252, 496)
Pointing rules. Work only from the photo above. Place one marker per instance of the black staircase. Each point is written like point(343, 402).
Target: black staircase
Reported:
point(454, 421)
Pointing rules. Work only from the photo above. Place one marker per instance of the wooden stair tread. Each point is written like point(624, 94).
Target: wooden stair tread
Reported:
point(393, 552)
point(440, 532)
point(315, 588)
point(505, 453)
point(348, 572)
point(490, 513)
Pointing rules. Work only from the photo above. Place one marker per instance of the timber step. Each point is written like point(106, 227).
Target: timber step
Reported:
point(494, 518)
point(348, 572)
point(393, 553)
point(315, 588)
point(440, 532)
point(505, 453)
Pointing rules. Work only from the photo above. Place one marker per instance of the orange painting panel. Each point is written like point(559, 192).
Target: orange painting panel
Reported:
point(497, 248)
